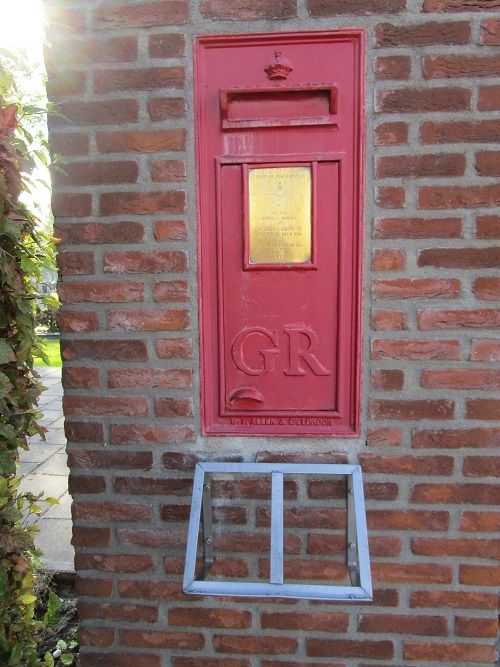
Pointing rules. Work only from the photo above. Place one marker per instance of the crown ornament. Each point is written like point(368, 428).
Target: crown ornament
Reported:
point(278, 67)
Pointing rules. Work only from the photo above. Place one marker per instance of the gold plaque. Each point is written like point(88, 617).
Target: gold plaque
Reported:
point(279, 215)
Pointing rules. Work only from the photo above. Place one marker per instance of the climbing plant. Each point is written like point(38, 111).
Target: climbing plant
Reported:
point(24, 252)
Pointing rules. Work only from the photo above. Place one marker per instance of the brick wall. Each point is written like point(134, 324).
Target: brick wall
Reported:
point(125, 213)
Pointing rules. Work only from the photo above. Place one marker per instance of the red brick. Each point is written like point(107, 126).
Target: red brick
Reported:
point(458, 493)
point(420, 166)
point(71, 205)
point(113, 659)
point(466, 626)
point(98, 459)
point(119, 406)
point(433, 599)
point(488, 226)
point(319, 8)
point(305, 517)
point(278, 663)
point(460, 258)
point(424, 100)
point(384, 437)
point(229, 568)
point(140, 15)
point(138, 261)
point(432, 626)
point(489, 98)
point(480, 522)
point(412, 410)
point(256, 645)
point(76, 377)
point(101, 291)
point(68, 51)
point(151, 78)
point(193, 641)
point(164, 378)
point(173, 407)
point(453, 66)
point(463, 131)
point(97, 637)
point(209, 618)
point(483, 408)
point(151, 539)
point(117, 612)
point(66, 83)
point(456, 438)
point(465, 653)
point(168, 171)
point(164, 108)
point(84, 536)
point(219, 662)
point(387, 380)
point(66, 20)
point(170, 45)
point(75, 263)
point(172, 319)
point(412, 573)
point(122, 434)
point(305, 621)
point(100, 113)
point(84, 431)
point(488, 163)
point(235, 515)
point(125, 564)
point(417, 228)
point(458, 319)
point(415, 349)
point(248, 11)
point(490, 31)
point(392, 68)
point(171, 291)
point(418, 288)
point(388, 320)
point(482, 466)
point(335, 545)
point(461, 378)
point(150, 589)
point(385, 520)
point(423, 34)
point(388, 259)
point(142, 203)
point(391, 134)
point(109, 349)
point(485, 349)
point(487, 289)
point(453, 6)
point(471, 548)
point(70, 143)
point(480, 575)
point(99, 232)
point(407, 464)
point(97, 173)
point(170, 230)
point(136, 141)
point(111, 511)
point(349, 648)
point(438, 197)
point(174, 348)
point(85, 484)
point(390, 197)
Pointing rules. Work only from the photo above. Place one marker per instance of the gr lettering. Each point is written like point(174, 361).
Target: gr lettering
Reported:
point(255, 351)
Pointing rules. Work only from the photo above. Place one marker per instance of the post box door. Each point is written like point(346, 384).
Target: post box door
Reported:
point(279, 212)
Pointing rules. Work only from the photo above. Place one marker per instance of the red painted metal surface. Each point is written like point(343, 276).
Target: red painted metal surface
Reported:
point(280, 340)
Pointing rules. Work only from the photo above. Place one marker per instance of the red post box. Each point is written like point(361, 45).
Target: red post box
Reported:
point(279, 140)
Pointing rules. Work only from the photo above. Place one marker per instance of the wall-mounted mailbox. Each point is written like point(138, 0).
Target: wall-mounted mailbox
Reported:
point(279, 162)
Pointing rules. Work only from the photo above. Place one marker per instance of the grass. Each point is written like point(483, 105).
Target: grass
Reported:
point(52, 350)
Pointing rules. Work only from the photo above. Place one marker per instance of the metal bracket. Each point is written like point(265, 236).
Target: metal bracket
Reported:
point(357, 556)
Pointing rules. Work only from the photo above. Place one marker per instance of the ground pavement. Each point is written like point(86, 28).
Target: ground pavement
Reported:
point(44, 468)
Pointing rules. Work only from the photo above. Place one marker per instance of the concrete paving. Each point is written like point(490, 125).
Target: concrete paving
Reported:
point(44, 468)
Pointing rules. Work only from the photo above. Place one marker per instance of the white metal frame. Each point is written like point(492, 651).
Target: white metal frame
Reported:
point(358, 560)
